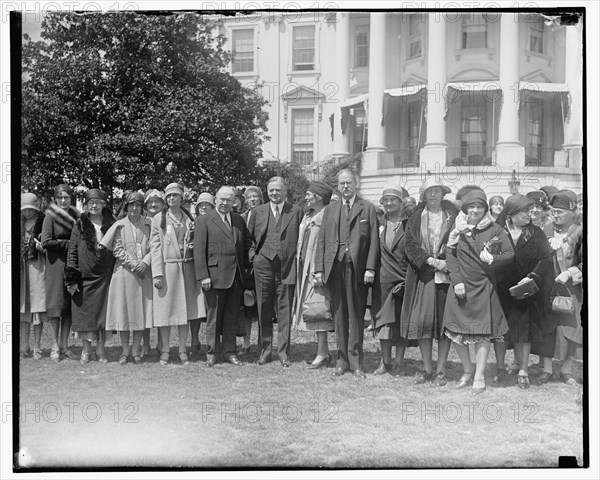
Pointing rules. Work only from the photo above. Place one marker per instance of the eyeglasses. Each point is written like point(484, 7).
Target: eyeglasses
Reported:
point(63, 197)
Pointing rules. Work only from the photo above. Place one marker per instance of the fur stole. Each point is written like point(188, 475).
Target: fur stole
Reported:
point(65, 219)
point(88, 232)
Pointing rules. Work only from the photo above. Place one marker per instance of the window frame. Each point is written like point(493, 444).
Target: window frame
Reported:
point(293, 143)
point(467, 21)
point(230, 34)
point(357, 28)
point(465, 145)
point(420, 35)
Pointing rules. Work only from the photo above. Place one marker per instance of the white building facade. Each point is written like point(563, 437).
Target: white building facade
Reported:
point(488, 99)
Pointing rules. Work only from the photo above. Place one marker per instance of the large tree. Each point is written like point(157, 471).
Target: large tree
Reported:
point(110, 100)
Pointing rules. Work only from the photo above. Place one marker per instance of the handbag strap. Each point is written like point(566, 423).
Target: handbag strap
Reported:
point(555, 289)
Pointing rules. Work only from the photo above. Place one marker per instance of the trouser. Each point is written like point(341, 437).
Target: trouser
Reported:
point(272, 296)
point(349, 303)
point(223, 308)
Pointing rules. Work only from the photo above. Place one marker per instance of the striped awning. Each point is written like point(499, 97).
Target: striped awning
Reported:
point(349, 103)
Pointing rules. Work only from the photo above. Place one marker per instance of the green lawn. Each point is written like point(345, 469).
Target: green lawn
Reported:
point(251, 416)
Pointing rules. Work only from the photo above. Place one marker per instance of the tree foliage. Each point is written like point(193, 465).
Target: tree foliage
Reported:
point(109, 100)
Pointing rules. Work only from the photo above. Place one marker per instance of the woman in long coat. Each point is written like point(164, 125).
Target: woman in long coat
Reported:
point(389, 284)
point(130, 292)
point(178, 297)
point(427, 278)
point(33, 268)
point(87, 273)
point(527, 319)
point(56, 231)
point(477, 248)
point(317, 197)
point(568, 271)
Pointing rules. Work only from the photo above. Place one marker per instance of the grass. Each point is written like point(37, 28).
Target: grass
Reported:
point(75, 415)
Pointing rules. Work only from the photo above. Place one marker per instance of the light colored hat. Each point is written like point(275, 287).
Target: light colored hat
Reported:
point(206, 197)
point(174, 188)
point(253, 189)
point(395, 190)
point(154, 193)
point(432, 182)
point(29, 200)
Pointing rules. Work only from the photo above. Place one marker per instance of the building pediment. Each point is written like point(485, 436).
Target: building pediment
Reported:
point(537, 76)
point(303, 95)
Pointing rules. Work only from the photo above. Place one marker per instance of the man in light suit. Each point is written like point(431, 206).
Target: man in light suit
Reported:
point(273, 229)
point(346, 259)
point(221, 246)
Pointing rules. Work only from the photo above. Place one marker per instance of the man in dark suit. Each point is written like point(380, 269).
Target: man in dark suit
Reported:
point(221, 246)
point(273, 229)
point(346, 259)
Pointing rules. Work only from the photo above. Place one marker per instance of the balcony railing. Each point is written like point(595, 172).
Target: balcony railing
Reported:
point(407, 157)
point(470, 156)
point(541, 157)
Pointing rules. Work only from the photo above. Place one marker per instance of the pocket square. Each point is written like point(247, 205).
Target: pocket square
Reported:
point(363, 220)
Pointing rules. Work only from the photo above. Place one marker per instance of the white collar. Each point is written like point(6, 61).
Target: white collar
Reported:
point(223, 217)
point(278, 206)
point(351, 200)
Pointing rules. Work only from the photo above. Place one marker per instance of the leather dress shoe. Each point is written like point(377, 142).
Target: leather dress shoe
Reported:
point(233, 359)
point(264, 360)
point(285, 362)
point(544, 378)
point(359, 374)
point(211, 360)
point(338, 371)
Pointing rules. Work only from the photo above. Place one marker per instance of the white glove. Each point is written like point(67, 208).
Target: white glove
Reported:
point(486, 256)
point(563, 277)
point(555, 243)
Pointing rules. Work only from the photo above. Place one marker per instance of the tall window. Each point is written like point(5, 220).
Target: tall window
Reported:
point(473, 129)
point(536, 36)
point(414, 123)
point(361, 46)
point(535, 132)
point(474, 31)
point(304, 48)
point(243, 50)
point(360, 130)
point(415, 34)
point(302, 136)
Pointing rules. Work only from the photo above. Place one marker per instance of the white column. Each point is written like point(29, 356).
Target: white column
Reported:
point(573, 140)
point(433, 153)
point(376, 134)
point(508, 148)
point(342, 39)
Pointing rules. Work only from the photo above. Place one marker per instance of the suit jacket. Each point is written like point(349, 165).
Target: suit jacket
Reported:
point(291, 217)
point(364, 238)
point(219, 252)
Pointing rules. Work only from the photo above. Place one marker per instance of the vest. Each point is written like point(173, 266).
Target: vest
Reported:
point(272, 246)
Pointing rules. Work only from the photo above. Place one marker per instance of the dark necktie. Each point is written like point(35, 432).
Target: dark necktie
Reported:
point(347, 208)
point(227, 223)
point(277, 215)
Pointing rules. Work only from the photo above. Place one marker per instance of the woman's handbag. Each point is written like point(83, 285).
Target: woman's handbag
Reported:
point(316, 306)
point(524, 290)
point(560, 303)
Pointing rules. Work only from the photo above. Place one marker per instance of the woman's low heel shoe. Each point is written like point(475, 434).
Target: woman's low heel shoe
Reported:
point(464, 381)
point(523, 381)
point(478, 387)
point(164, 358)
point(85, 358)
point(322, 363)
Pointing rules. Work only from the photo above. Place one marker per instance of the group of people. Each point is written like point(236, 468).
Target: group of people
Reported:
point(454, 268)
